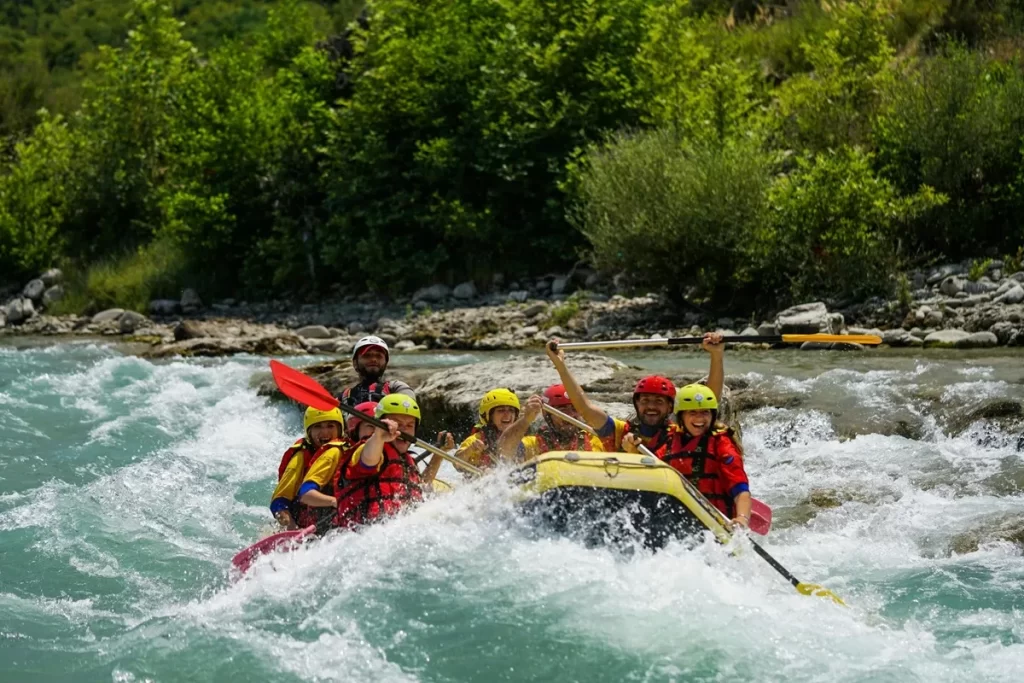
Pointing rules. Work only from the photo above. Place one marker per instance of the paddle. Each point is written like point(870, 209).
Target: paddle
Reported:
point(306, 390)
point(760, 513)
point(708, 508)
point(284, 540)
point(869, 339)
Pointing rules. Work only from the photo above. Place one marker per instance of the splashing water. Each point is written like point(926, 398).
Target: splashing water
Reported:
point(127, 486)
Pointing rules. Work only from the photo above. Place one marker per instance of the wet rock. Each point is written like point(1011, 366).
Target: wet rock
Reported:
point(1013, 295)
point(978, 340)
point(109, 315)
point(433, 293)
point(464, 291)
point(356, 327)
point(953, 285)
point(189, 329)
point(52, 295)
point(268, 345)
point(528, 330)
point(519, 295)
point(164, 307)
point(1004, 331)
point(1005, 528)
point(535, 309)
point(34, 290)
point(1001, 411)
point(129, 321)
point(749, 332)
point(457, 392)
point(767, 330)
point(190, 301)
point(808, 318)
point(52, 277)
point(3, 317)
point(982, 286)
point(945, 338)
point(405, 345)
point(314, 332)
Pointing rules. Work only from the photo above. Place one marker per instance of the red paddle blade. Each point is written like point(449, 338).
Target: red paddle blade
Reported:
point(760, 517)
point(301, 388)
point(284, 541)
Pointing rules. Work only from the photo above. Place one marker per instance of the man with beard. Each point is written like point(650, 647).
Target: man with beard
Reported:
point(653, 400)
point(370, 357)
point(555, 435)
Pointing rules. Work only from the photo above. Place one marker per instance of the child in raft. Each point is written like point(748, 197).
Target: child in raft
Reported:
point(705, 451)
point(499, 408)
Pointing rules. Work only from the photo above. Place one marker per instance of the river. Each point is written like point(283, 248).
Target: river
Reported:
point(127, 485)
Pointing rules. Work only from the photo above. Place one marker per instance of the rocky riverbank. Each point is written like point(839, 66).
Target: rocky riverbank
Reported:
point(943, 308)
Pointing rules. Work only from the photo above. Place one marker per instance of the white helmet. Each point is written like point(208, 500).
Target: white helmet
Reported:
point(370, 341)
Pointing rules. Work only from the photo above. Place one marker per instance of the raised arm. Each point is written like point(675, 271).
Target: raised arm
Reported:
point(716, 375)
point(508, 442)
point(591, 414)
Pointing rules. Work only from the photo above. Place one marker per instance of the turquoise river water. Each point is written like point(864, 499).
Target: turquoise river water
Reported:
point(126, 486)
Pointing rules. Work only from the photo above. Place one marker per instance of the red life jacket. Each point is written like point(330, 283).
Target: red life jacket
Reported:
point(550, 440)
point(304, 515)
point(698, 459)
point(364, 500)
point(658, 443)
point(374, 392)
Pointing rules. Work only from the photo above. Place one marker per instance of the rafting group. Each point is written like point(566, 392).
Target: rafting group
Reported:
point(345, 473)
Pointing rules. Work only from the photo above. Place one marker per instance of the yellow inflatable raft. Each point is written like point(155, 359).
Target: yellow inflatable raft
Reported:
point(604, 498)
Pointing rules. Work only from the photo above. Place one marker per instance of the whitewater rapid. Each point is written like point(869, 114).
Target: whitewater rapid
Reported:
point(126, 486)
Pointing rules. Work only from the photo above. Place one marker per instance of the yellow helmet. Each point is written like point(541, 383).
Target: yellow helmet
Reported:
point(314, 417)
point(495, 398)
point(397, 404)
point(695, 397)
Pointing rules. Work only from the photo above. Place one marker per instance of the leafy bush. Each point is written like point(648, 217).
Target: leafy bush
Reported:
point(673, 214)
point(447, 161)
point(35, 199)
point(978, 268)
point(955, 123)
point(834, 229)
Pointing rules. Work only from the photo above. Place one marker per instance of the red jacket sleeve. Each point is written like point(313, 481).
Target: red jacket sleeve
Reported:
point(731, 463)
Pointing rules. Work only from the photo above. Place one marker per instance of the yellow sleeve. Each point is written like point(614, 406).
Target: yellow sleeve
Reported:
point(289, 483)
point(472, 457)
point(530, 447)
point(357, 454)
point(596, 444)
point(321, 472)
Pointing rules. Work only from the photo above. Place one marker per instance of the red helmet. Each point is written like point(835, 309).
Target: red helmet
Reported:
point(352, 423)
point(655, 384)
point(556, 396)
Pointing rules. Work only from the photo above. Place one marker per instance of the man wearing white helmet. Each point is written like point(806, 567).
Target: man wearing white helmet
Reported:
point(370, 357)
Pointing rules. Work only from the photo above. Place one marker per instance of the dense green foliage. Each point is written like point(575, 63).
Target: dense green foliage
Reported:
point(737, 152)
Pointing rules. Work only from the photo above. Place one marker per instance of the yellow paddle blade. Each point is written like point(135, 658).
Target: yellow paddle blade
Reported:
point(869, 339)
point(819, 591)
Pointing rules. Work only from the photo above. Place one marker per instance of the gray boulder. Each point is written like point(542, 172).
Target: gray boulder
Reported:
point(945, 338)
point(749, 332)
point(952, 285)
point(53, 294)
point(356, 327)
point(519, 295)
point(897, 337)
point(129, 321)
point(107, 316)
point(1013, 295)
point(3, 317)
point(190, 301)
point(464, 291)
point(942, 272)
point(1018, 276)
point(314, 332)
point(20, 310)
point(405, 345)
point(979, 340)
point(767, 330)
point(808, 318)
point(164, 307)
point(1004, 331)
point(34, 290)
point(535, 309)
point(52, 277)
point(433, 293)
